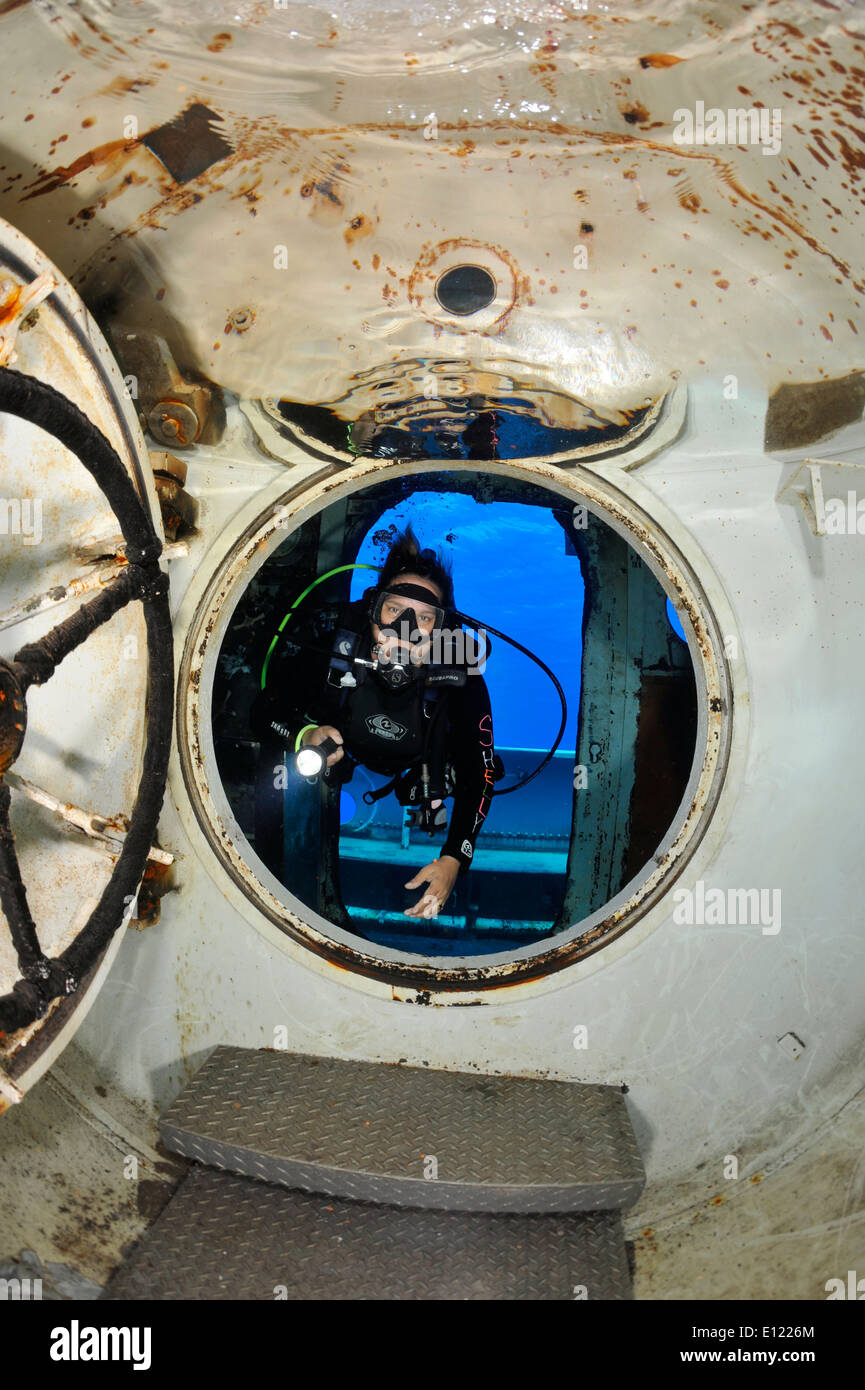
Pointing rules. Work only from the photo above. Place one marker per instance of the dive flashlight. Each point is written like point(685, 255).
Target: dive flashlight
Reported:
point(312, 760)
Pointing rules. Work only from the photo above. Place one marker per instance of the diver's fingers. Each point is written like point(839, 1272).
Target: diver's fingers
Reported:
point(422, 876)
point(320, 734)
point(428, 906)
point(325, 731)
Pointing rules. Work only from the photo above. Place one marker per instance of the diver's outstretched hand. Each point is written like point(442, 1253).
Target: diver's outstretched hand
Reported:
point(441, 875)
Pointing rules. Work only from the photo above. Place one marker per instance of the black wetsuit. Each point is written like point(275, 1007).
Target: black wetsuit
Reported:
point(384, 729)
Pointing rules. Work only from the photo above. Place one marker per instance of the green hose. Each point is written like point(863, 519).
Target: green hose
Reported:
point(339, 570)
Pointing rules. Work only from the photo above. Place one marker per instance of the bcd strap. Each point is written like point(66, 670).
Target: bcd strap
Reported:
point(343, 649)
point(371, 797)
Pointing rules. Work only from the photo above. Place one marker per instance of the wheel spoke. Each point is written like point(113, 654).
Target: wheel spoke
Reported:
point(13, 894)
point(37, 661)
point(100, 828)
point(45, 979)
point(75, 588)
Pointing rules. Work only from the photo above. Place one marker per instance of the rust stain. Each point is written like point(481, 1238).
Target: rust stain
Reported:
point(328, 203)
point(659, 60)
point(218, 42)
point(125, 86)
point(728, 177)
point(239, 320)
point(636, 114)
point(110, 156)
point(102, 37)
point(324, 189)
point(247, 193)
point(690, 201)
point(425, 273)
point(9, 307)
point(543, 71)
point(358, 228)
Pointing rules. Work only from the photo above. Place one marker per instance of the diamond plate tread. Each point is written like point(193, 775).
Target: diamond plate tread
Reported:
point(227, 1237)
point(367, 1131)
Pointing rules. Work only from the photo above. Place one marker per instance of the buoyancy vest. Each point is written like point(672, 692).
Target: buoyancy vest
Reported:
point(387, 730)
point(384, 729)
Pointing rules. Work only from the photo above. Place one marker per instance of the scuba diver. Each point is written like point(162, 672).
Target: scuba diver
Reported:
point(389, 681)
point(395, 692)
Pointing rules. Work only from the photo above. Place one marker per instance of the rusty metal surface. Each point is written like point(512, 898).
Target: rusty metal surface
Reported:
point(13, 716)
point(81, 1178)
point(228, 1237)
point(305, 135)
point(368, 1132)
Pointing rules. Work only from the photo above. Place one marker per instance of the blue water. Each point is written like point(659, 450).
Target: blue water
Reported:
point(511, 570)
point(675, 623)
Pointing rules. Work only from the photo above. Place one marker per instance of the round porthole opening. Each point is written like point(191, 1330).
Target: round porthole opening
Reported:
point(663, 700)
point(465, 289)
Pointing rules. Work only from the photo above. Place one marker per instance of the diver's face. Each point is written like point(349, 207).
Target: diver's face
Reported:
point(390, 648)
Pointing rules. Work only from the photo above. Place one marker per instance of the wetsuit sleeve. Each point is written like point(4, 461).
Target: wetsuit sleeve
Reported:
point(471, 751)
point(293, 690)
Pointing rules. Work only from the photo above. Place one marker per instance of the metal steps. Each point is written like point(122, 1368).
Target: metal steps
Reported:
point(227, 1237)
point(367, 1131)
point(366, 1180)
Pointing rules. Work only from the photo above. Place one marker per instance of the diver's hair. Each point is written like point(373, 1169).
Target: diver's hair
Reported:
point(406, 557)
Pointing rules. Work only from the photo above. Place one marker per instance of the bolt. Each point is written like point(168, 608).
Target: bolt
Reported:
point(174, 422)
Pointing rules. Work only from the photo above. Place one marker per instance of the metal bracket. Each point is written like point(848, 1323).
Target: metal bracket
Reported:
point(177, 410)
point(806, 485)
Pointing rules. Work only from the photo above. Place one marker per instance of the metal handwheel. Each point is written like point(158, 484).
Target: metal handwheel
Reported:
point(44, 979)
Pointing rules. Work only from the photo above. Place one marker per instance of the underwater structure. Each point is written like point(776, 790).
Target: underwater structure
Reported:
point(575, 291)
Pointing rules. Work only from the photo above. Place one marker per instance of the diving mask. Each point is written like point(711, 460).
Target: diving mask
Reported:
point(406, 615)
point(407, 618)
